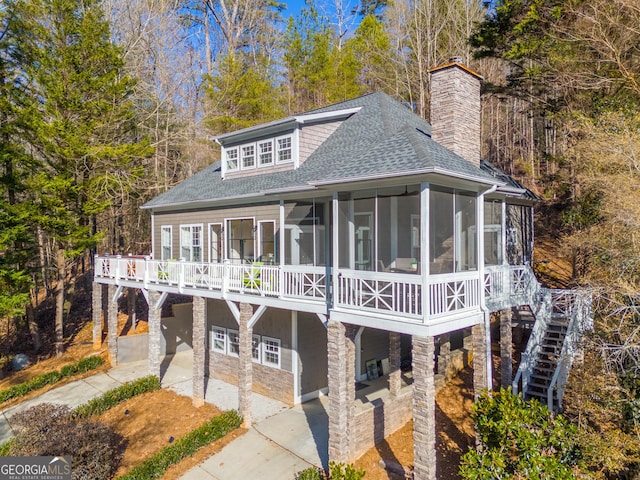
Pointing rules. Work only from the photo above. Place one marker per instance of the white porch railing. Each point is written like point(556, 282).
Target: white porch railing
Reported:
point(380, 292)
point(304, 281)
point(453, 293)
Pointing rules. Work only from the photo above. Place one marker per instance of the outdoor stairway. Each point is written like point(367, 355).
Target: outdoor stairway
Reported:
point(561, 318)
point(523, 317)
point(546, 361)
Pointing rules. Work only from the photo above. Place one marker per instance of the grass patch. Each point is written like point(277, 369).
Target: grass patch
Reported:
point(6, 447)
point(118, 395)
point(51, 378)
point(155, 466)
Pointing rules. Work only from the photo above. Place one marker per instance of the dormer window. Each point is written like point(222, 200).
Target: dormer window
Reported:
point(265, 153)
point(283, 149)
point(248, 156)
point(260, 153)
point(232, 158)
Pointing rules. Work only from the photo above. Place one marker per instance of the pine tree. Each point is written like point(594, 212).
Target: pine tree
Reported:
point(80, 124)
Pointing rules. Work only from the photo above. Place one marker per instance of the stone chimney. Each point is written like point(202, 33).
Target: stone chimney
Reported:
point(455, 109)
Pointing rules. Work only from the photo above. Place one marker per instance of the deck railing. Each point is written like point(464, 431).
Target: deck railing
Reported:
point(400, 294)
point(381, 292)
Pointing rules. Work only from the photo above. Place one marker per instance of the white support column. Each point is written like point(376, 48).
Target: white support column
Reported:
point(424, 249)
point(503, 225)
point(295, 357)
point(335, 250)
point(352, 235)
point(393, 206)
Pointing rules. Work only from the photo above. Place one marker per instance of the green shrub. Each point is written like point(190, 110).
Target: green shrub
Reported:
point(311, 473)
point(519, 439)
point(118, 395)
point(214, 429)
point(53, 430)
point(337, 471)
point(342, 471)
point(51, 378)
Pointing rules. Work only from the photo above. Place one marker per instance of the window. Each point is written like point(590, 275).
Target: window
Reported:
point(255, 349)
point(240, 236)
point(492, 232)
point(215, 243)
point(267, 253)
point(284, 150)
point(233, 343)
point(264, 350)
point(218, 340)
point(165, 241)
point(232, 158)
point(191, 242)
point(452, 230)
point(248, 156)
point(271, 351)
point(265, 153)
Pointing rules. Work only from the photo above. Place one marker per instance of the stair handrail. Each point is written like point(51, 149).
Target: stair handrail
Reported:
point(542, 313)
point(580, 320)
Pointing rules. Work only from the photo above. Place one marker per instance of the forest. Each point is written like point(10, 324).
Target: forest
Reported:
point(105, 104)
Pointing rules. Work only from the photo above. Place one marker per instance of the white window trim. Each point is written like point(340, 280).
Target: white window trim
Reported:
point(191, 226)
point(226, 160)
point(230, 332)
point(277, 150)
point(170, 228)
point(242, 156)
point(259, 235)
point(257, 338)
point(212, 344)
point(264, 351)
point(209, 246)
point(273, 152)
point(225, 337)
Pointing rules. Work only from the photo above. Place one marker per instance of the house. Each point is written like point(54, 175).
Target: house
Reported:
point(328, 248)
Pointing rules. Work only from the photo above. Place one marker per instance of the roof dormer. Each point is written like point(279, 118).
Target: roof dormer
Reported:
point(277, 146)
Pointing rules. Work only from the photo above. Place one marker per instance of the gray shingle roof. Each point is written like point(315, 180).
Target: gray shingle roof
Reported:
point(383, 138)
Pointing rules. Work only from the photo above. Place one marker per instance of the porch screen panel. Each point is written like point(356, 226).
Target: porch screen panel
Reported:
point(343, 231)
point(267, 242)
point(465, 232)
point(165, 235)
point(409, 231)
point(305, 234)
point(493, 232)
point(441, 231)
point(240, 239)
point(387, 232)
point(364, 235)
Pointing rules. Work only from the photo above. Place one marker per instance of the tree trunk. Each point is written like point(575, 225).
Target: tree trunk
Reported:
point(33, 326)
point(60, 288)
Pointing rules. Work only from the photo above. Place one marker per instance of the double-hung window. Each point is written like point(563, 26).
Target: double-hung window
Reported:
point(248, 156)
point(218, 341)
point(256, 354)
point(166, 241)
point(231, 158)
point(233, 343)
point(265, 153)
point(191, 242)
point(284, 149)
point(271, 352)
